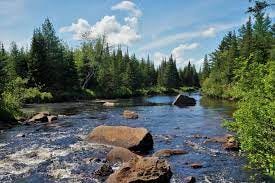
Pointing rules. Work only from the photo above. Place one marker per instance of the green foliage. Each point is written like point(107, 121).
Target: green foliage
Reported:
point(244, 69)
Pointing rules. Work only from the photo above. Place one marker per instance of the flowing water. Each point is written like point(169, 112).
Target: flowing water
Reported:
point(59, 152)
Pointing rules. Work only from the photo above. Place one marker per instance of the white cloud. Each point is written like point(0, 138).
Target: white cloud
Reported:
point(108, 26)
point(178, 54)
point(179, 51)
point(128, 6)
point(78, 28)
point(210, 31)
point(114, 31)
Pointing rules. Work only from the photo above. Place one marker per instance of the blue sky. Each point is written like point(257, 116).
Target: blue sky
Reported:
point(187, 29)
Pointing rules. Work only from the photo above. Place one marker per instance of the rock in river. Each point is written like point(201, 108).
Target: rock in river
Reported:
point(120, 154)
point(168, 152)
point(42, 117)
point(134, 139)
point(183, 100)
point(228, 140)
point(130, 114)
point(148, 169)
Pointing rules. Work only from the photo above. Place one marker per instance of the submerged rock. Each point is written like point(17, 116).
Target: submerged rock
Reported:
point(120, 154)
point(168, 152)
point(148, 169)
point(130, 114)
point(183, 100)
point(134, 139)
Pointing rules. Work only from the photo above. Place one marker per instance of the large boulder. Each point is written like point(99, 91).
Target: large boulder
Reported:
point(134, 139)
point(148, 169)
point(169, 152)
point(130, 114)
point(120, 154)
point(183, 100)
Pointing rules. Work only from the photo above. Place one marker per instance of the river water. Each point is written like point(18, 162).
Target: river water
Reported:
point(59, 152)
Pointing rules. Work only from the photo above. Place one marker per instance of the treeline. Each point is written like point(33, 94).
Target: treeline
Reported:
point(52, 71)
point(243, 68)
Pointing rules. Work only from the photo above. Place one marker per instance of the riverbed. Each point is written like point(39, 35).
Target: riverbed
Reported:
point(60, 153)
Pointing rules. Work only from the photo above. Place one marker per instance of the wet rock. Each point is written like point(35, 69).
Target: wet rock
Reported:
point(148, 169)
point(134, 139)
point(39, 117)
point(231, 145)
point(189, 179)
point(42, 117)
point(104, 171)
point(109, 104)
point(220, 139)
point(51, 118)
point(228, 140)
point(20, 135)
point(196, 165)
point(169, 152)
point(120, 154)
point(183, 100)
point(130, 114)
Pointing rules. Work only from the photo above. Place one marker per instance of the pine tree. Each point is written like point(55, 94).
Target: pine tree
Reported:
point(205, 69)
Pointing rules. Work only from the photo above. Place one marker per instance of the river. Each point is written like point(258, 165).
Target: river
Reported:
point(59, 152)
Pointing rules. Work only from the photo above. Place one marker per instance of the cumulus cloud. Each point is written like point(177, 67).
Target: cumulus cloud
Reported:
point(115, 32)
point(179, 51)
point(78, 28)
point(128, 6)
point(178, 54)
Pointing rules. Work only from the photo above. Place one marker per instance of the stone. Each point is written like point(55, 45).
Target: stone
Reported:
point(189, 179)
point(169, 152)
point(134, 139)
point(20, 135)
point(147, 169)
point(130, 114)
point(39, 117)
point(196, 165)
point(228, 142)
point(220, 139)
point(231, 145)
point(104, 170)
point(51, 118)
point(183, 100)
point(120, 154)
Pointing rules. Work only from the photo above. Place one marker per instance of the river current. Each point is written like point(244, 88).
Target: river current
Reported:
point(60, 153)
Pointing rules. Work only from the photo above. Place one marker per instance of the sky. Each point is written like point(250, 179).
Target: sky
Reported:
point(186, 29)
